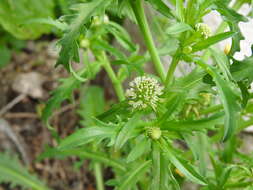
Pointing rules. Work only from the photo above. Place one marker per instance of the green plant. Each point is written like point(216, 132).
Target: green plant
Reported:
point(15, 174)
point(143, 136)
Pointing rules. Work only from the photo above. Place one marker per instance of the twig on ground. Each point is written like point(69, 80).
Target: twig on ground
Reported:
point(12, 103)
point(6, 128)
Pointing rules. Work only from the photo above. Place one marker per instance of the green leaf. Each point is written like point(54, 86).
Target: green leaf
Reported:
point(242, 70)
point(211, 41)
point(160, 169)
point(69, 42)
point(121, 36)
point(61, 93)
point(229, 98)
point(178, 28)
point(49, 21)
point(91, 104)
point(182, 165)
point(15, 14)
point(192, 12)
point(222, 62)
point(126, 131)
point(242, 74)
point(104, 46)
point(133, 175)
point(65, 90)
point(109, 115)
point(194, 125)
point(173, 180)
point(87, 135)
point(232, 18)
point(138, 150)
point(180, 10)
point(82, 153)
point(161, 7)
point(13, 172)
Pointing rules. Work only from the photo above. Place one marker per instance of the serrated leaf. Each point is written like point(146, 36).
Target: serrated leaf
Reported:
point(13, 172)
point(69, 44)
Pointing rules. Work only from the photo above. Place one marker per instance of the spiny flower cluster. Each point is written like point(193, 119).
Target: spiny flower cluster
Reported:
point(204, 29)
point(154, 133)
point(144, 92)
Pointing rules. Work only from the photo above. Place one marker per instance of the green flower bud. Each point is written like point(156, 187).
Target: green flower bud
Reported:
point(85, 43)
point(187, 49)
point(203, 29)
point(154, 133)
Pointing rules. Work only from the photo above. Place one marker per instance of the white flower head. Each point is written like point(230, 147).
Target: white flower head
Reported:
point(204, 29)
point(144, 92)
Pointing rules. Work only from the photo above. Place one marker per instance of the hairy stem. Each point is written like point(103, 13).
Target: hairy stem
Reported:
point(143, 25)
point(116, 83)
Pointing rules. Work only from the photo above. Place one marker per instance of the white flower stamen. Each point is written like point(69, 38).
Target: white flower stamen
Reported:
point(144, 92)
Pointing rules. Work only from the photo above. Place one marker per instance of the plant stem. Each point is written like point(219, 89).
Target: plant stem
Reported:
point(116, 83)
point(171, 71)
point(212, 109)
point(143, 25)
point(98, 176)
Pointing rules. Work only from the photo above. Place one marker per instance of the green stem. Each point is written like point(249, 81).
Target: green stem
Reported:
point(212, 109)
point(172, 68)
point(116, 83)
point(99, 176)
point(143, 24)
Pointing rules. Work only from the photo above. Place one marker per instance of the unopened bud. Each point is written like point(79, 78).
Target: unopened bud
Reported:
point(154, 133)
point(187, 49)
point(227, 49)
point(85, 43)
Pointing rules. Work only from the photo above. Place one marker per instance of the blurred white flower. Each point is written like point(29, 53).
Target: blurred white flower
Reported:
point(144, 92)
point(204, 29)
